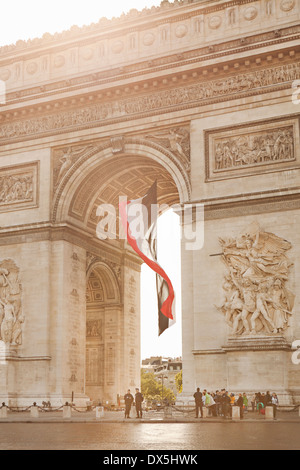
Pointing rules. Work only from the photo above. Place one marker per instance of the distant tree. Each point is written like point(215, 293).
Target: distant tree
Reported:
point(178, 381)
point(151, 388)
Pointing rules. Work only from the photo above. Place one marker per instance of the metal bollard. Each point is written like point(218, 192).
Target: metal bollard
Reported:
point(34, 411)
point(67, 411)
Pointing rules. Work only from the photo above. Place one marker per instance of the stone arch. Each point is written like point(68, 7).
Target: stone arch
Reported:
point(103, 313)
point(83, 179)
point(100, 173)
point(110, 284)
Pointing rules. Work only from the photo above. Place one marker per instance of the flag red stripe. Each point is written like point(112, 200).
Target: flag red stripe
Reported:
point(166, 308)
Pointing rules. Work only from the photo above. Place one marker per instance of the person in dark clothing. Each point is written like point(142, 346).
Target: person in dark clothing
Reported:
point(226, 408)
point(128, 398)
point(198, 402)
point(268, 399)
point(260, 402)
point(138, 403)
point(217, 399)
point(240, 403)
point(263, 399)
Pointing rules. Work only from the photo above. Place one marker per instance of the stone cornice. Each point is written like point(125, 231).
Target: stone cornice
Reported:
point(133, 20)
point(46, 231)
point(110, 53)
point(232, 206)
point(113, 107)
point(250, 204)
point(190, 58)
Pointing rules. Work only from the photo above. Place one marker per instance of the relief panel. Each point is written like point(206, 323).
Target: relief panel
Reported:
point(19, 187)
point(252, 149)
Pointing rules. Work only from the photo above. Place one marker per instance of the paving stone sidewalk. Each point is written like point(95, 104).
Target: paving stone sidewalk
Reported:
point(148, 417)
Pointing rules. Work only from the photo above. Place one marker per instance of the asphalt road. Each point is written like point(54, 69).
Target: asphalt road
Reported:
point(150, 436)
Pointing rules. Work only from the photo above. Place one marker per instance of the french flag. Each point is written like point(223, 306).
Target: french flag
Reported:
point(144, 243)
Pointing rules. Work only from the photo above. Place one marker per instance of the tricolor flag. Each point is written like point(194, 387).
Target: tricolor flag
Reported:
point(144, 243)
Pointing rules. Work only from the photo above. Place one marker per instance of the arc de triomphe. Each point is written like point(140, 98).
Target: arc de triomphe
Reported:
point(202, 96)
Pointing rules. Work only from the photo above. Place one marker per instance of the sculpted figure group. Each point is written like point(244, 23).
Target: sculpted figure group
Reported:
point(245, 150)
point(11, 317)
point(16, 188)
point(256, 300)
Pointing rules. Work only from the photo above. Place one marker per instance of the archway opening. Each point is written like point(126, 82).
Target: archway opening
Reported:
point(102, 333)
point(113, 338)
point(169, 344)
point(105, 381)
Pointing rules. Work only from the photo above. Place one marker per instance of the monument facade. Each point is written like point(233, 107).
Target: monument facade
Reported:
point(200, 96)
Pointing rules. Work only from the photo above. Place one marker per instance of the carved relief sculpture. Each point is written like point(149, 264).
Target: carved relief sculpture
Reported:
point(11, 316)
point(190, 95)
point(244, 148)
point(252, 149)
point(64, 159)
point(18, 186)
point(177, 140)
point(256, 299)
point(94, 329)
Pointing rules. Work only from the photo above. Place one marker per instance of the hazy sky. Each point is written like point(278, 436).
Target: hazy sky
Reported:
point(28, 19)
point(168, 241)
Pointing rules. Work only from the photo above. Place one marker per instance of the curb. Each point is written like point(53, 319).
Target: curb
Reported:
point(144, 421)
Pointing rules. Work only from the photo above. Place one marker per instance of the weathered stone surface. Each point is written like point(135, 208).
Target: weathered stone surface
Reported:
point(197, 95)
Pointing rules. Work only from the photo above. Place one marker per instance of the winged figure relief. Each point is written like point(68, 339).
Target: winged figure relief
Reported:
point(177, 140)
point(65, 160)
point(258, 268)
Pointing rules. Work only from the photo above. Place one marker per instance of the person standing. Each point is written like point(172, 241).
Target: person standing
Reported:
point(198, 403)
point(226, 408)
point(207, 402)
point(268, 399)
point(245, 398)
point(218, 401)
point(128, 398)
point(240, 404)
point(212, 405)
point(253, 401)
point(138, 403)
point(275, 403)
point(232, 399)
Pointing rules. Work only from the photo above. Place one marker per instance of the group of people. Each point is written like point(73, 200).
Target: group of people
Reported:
point(220, 403)
point(137, 399)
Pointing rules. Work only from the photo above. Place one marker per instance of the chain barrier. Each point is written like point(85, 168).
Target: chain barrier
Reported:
point(296, 407)
point(15, 409)
point(164, 408)
point(183, 410)
point(19, 409)
point(76, 409)
point(45, 409)
point(49, 410)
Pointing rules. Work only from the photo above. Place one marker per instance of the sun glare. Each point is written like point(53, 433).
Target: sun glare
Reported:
point(26, 20)
point(23, 20)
